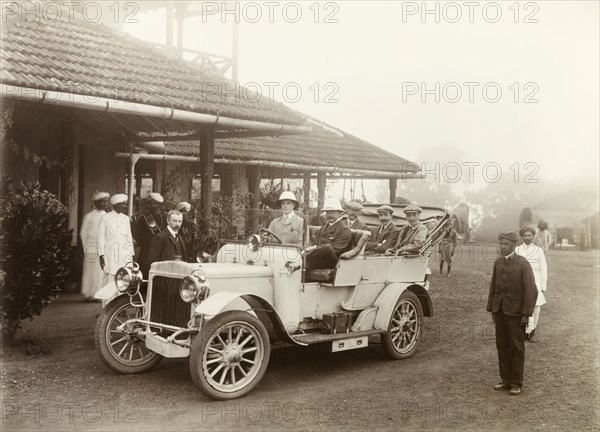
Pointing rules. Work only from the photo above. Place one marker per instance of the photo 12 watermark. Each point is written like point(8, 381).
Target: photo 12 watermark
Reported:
point(47, 412)
point(467, 412)
point(92, 12)
point(474, 172)
point(469, 92)
point(452, 12)
point(267, 412)
point(270, 12)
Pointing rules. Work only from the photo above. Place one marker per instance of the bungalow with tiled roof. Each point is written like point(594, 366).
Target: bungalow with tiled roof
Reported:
point(83, 101)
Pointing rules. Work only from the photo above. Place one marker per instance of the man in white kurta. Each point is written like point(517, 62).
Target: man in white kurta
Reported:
point(536, 257)
point(115, 242)
point(91, 280)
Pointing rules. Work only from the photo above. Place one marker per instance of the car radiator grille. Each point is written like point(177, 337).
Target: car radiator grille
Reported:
point(166, 306)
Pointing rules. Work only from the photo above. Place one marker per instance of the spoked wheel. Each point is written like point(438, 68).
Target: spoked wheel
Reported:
point(404, 329)
point(124, 352)
point(230, 355)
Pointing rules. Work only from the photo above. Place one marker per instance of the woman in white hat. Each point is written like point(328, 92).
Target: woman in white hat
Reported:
point(288, 227)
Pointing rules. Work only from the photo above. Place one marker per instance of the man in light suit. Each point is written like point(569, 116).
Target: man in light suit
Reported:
point(412, 236)
point(537, 260)
point(385, 234)
point(115, 242)
point(168, 244)
point(91, 280)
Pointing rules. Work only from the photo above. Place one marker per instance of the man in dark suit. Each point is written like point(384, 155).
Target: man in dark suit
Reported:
point(385, 234)
point(332, 240)
point(168, 244)
point(353, 209)
point(511, 301)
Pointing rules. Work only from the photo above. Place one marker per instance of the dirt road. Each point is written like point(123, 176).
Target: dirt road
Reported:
point(447, 385)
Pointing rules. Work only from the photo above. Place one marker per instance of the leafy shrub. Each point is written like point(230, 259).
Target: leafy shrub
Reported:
point(35, 240)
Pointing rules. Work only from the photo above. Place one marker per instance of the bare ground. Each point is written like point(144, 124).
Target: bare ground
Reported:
point(447, 385)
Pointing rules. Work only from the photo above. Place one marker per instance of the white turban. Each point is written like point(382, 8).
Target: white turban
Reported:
point(118, 199)
point(184, 206)
point(99, 196)
point(156, 197)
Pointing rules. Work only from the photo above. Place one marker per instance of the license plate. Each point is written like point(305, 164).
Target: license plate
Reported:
point(349, 344)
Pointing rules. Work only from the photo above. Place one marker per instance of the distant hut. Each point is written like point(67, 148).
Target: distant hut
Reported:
point(572, 216)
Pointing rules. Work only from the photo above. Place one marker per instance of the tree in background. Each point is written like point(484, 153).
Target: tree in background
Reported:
point(36, 243)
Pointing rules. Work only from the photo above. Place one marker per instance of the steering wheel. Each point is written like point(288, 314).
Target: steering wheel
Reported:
point(271, 233)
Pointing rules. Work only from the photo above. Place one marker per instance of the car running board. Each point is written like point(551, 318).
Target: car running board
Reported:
point(314, 338)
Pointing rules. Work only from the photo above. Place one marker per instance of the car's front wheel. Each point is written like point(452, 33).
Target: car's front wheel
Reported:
point(404, 329)
point(230, 355)
point(124, 352)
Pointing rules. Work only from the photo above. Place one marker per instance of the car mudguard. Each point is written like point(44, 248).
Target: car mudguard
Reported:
point(107, 293)
point(264, 310)
point(390, 295)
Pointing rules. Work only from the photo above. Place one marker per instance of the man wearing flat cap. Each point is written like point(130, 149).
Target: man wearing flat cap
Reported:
point(353, 209)
point(412, 236)
point(511, 301)
point(537, 260)
point(115, 242)
point(91, 280)
point(385, 234)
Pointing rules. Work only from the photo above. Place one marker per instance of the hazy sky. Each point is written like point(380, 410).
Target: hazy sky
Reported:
point(374, 62)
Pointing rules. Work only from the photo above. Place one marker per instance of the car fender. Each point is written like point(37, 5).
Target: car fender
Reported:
point(390, 295)
point(386, 302)
point(264, 310)
point(108, 293)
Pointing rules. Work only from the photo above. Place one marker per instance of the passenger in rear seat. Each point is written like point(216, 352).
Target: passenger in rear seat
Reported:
point(332, 240)
point(353, 209)
point(412, 236)
point(385, 235)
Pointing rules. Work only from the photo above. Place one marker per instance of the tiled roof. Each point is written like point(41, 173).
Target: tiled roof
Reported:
point(325, 146)
point(91, 59)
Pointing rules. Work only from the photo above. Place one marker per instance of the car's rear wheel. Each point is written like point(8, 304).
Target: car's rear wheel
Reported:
point(230, 355)
point(404, 329)
point(124, 352)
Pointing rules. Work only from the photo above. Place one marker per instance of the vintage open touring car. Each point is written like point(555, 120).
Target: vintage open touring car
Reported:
point(226, 315)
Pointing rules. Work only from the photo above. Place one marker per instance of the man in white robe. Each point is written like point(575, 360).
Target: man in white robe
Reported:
point(91, 280)
point(115, 242)
point(536, 257)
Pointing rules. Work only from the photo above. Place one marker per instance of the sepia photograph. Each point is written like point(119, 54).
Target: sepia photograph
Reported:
point(299, 215)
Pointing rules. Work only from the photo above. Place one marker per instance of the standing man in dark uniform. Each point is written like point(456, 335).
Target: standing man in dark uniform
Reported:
point(332, 240)
point(168, 244)
point(511, 301)
point(385, 234)
point(149, 223)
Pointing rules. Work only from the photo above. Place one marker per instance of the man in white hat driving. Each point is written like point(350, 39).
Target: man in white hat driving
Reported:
point(332, 240)
point(288, 227)
point(91, 279)
point(115, 242)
